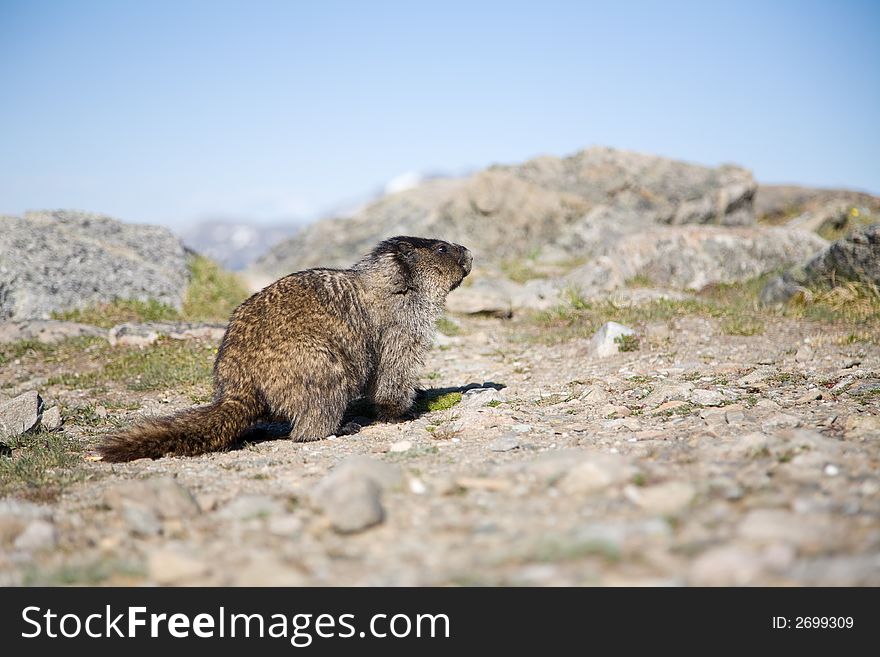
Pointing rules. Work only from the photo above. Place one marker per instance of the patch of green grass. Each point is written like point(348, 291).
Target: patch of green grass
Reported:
point(555, 549)
point(639, 280)
point(212, 295)
point(854, 221)
point(91, 573)
point(169, 364)
point(855, 303)
point(736, 305)
point(447, 327)
point(119, 311)
point(627, 342)
point(442, 402)
point(56, 352)
point(746, 326)
point(494, 403)
point(40, 465)
point(520, 271)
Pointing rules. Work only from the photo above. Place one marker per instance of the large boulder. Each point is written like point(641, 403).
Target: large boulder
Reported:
point(691, 257)
point(57, 261)
point(855, 257)
point(559, 208)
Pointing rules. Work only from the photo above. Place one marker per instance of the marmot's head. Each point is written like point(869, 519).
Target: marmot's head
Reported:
point(426, 265)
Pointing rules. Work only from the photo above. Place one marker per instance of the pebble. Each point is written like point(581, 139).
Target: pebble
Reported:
point(667, 499)
point(702, 397)
point(401, 446)
point(351, 501)
point(37, 535)
point(250, 506)
point(167, 565)
point(504, 443)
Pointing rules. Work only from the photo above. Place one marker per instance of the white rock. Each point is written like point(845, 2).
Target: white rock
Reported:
point(706, 397)
point(603, 342)
point(401, 446)
point(38, 535)
point(521, 428)
point(479, 397)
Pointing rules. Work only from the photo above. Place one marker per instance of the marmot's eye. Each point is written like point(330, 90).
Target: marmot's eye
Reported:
point(441, 248)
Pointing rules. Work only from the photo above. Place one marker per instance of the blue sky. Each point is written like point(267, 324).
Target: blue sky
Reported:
point(169, 112)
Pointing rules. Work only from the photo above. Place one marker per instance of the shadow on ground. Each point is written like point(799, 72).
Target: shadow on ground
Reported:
point(359, 414)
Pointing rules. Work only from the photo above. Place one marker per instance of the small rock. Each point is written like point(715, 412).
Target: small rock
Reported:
point(670, 406)
point(831, 470)
point(779, 525)
point(101, 411)
point(594, 395)
point(669, 498)
point(163, 496)
point(734, 416)
point(284, 525)
point(51, 419)
point(479, 397)
point(804, 354)
point(10, 528)
point(250, 506)
point(725, 566)
point(860, 427)
point(20, 414)
point(267, 570)
point(665, 392)
point(170, 566)
point(141, 520)
point(417, 486)
point(386, 475)
point(810, 396)
point(613, 410)
point(521, 428)
point(702, 397)
point(350, 500)
point(38, 535)
point(401, 446)
point(603, 342)
point(504, 443)
point(869, 388)
point(596, 472)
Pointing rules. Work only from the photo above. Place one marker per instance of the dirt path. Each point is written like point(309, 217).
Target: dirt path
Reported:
point(699, 459)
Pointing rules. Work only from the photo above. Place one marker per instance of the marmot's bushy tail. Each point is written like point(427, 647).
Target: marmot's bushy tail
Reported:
point(187, 433)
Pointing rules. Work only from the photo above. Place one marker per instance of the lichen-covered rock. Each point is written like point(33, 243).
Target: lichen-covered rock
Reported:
point(57, 261)
point(855, 257)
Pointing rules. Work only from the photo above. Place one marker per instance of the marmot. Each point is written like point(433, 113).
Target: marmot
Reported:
point(307, 345)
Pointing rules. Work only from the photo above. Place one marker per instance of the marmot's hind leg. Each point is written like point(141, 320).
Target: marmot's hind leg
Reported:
point(316, 418)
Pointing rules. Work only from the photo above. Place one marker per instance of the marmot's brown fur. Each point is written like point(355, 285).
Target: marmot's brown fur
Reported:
point(307, 345)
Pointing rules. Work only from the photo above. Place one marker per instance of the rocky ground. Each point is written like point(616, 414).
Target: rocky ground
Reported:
point(697, 458)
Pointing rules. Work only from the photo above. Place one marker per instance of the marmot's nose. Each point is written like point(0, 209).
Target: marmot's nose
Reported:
point(465, 260)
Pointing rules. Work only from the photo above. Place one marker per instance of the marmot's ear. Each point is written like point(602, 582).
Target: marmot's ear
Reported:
point(402, 280)
point(404, 247)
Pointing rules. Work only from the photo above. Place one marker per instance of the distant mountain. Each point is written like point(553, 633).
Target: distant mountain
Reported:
point(235, 244)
